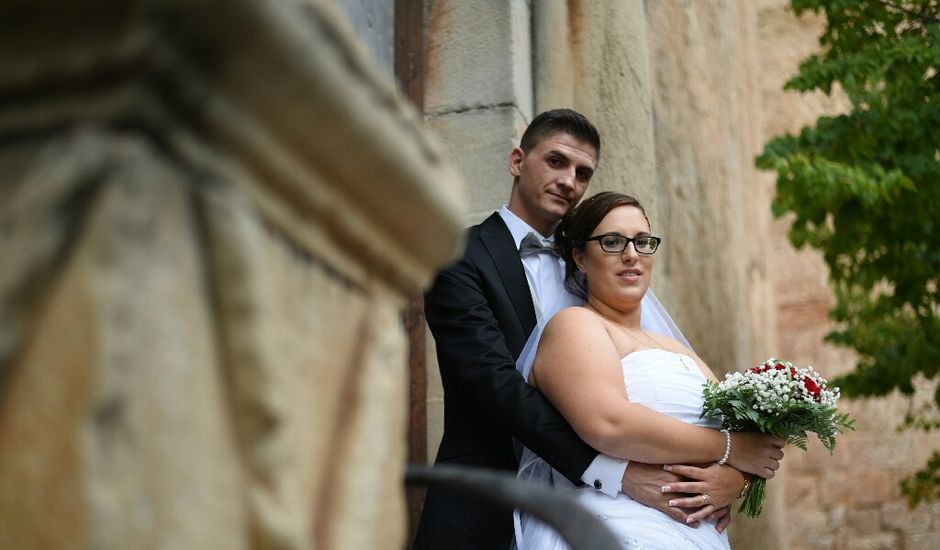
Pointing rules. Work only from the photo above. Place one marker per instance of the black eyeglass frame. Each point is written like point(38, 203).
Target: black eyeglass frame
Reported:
point(626, 243)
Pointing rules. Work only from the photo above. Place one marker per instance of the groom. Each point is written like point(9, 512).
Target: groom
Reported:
point(481, 311)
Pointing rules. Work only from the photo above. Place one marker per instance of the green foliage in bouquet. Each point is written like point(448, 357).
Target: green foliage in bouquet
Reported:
point(864, 188)
point(779, 399)
point(793, 423)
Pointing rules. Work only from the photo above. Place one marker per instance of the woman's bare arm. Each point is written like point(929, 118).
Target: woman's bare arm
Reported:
point(578, 369)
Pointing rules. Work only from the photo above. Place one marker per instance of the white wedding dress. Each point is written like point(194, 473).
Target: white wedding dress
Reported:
point(666, 382)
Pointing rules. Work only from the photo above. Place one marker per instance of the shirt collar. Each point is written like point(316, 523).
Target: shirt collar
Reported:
point(518, 228)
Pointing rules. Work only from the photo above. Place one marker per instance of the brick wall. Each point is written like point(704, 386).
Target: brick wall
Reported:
point(851, 499)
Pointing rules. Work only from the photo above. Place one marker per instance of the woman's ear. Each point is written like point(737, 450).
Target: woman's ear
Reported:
point(579, 260)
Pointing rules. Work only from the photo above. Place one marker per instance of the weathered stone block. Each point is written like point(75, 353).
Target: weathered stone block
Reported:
point(479, 56)
point(922, 540)
point(802, 490)
point(816, 456)
point(812, 521)
point(898, 516)
point(435, 391)
point(864, 521)
point(857, 486)
point(143, 389)
point(435, 400)
point(435, 415)
point(881, 451)
point(804, 541)
point(479, 143)
point(200, 302)
point(874, 541)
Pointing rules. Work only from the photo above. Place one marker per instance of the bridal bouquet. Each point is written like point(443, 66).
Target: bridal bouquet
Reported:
point(780, 399)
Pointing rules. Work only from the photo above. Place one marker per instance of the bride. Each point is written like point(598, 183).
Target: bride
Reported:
point(631, 393)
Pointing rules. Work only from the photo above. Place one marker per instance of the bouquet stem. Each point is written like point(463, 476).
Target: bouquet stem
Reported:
point(753, 501)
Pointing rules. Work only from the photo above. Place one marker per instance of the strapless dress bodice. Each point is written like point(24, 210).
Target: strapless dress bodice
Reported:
point(667, 382)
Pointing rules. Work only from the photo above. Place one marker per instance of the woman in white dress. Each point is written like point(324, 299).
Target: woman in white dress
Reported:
point(630, 393)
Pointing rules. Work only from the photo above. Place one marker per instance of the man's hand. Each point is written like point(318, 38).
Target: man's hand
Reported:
point(721, 517)
point(712, 489)
point(644, 483)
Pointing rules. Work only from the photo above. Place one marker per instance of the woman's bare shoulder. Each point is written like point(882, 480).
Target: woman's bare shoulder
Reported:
point(577, 317)
point(573, 313)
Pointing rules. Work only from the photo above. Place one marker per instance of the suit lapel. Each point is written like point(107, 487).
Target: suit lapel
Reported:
point(499, 245)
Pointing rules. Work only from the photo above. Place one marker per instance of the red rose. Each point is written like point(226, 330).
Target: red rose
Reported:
point(812, 387)
point(771, 366)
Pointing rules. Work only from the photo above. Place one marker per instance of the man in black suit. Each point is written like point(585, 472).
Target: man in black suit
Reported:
point(481, 311)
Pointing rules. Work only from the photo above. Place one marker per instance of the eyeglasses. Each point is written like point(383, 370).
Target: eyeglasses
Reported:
point(613, 243)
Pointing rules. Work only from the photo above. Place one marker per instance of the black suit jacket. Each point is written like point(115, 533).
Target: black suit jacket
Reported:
point(480, 312)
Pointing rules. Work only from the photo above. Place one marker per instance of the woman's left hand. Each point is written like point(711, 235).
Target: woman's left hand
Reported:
point(711, 488)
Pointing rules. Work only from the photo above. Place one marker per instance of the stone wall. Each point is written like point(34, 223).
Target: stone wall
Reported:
point(685, 94)
point(211, 216)
point(706, 113)
point(677, 109)
point(478, 99)
point(851, 499)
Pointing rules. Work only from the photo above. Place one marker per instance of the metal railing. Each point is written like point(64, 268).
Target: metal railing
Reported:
point(581, 529)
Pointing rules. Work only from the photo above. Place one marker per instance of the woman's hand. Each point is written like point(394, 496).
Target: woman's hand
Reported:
point(712, 489)
point(755, 453)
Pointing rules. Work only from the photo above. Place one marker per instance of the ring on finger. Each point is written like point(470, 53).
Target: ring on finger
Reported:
point(705, 498)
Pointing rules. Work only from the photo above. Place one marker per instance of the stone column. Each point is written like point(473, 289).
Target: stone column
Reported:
point(478, 99)
point(594, 58)
point(707, 113)
point(478, 90)
point(672, 87)
point(211, 214)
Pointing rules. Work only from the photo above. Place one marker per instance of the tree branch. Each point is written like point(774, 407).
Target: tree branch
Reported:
point(925, 19)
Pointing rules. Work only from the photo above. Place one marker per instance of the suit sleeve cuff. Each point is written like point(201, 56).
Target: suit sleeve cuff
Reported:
point(605, 474)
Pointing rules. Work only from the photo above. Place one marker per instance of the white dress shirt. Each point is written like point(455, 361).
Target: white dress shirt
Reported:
point(546, 275)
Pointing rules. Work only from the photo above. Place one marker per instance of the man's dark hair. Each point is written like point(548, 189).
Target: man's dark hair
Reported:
point(565, 121)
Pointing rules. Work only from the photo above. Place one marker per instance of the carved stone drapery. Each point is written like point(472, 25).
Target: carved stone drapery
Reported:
point(211, 214)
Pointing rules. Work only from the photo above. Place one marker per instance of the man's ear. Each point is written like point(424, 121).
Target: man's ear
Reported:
point(515, 161)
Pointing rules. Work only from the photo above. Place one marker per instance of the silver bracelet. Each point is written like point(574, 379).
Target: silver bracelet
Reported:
point(724, 458)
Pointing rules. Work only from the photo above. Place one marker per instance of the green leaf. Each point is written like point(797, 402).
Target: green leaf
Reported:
point(863, 188)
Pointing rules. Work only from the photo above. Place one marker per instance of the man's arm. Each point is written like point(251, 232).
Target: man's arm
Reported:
point(606, 474)
point(472, 347)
